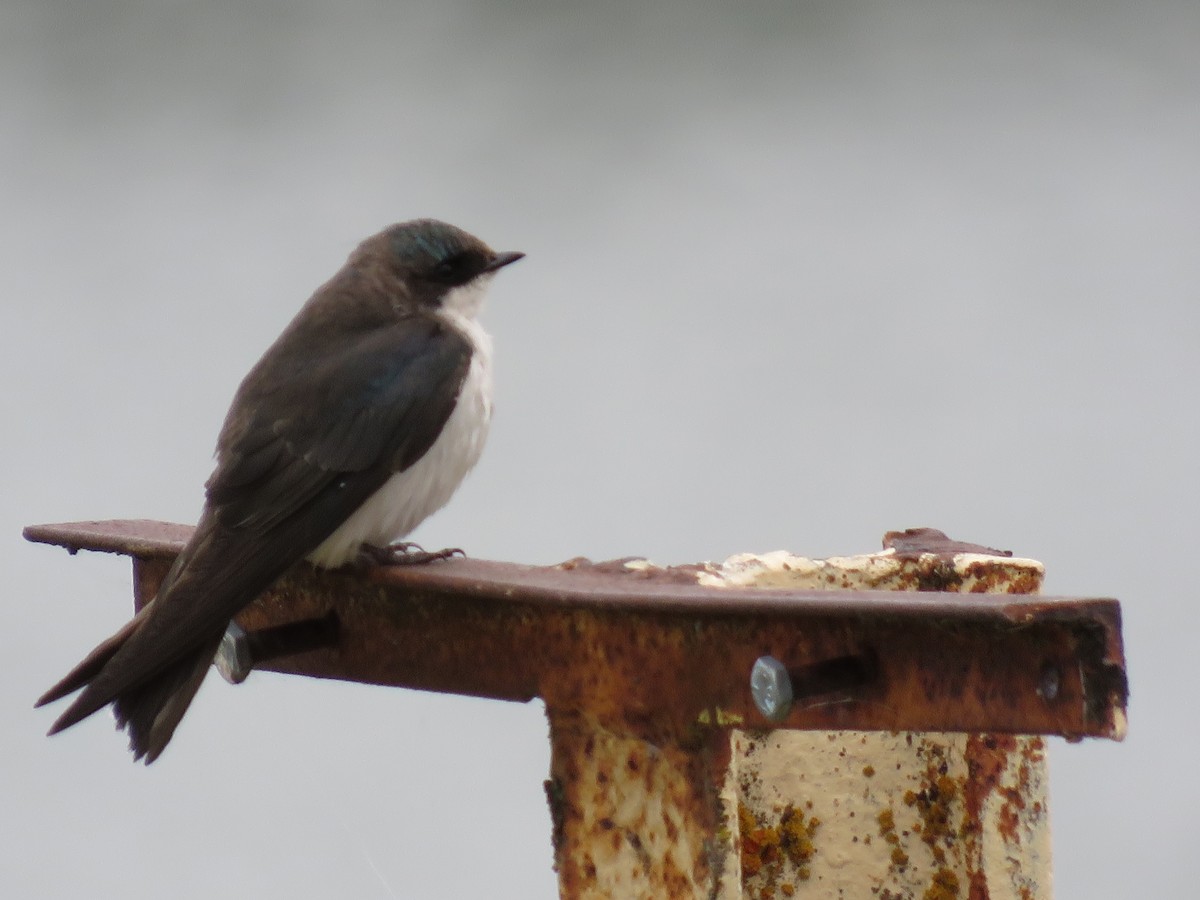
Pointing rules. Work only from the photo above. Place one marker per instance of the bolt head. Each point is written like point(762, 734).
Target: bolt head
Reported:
point(771, 688)
point(1049, 682)
point(233, 658)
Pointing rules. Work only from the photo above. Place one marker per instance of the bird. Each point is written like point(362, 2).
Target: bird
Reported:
point(359, 421)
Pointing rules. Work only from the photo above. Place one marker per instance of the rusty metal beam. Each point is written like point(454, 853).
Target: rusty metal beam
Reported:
point(655, 652)
point(725, 731)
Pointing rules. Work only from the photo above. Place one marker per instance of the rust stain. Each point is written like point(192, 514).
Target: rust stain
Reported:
point(977, 888)
point(1001, 773)
point(987, 759)
point(632, 818)
point(916, 542)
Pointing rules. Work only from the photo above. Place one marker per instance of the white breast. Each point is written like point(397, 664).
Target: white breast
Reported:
point(408, 497)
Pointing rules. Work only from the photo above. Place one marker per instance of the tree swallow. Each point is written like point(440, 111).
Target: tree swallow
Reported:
point(360, 420)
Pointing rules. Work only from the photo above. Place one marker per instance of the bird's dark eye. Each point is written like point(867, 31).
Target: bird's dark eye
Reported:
point(457, 269)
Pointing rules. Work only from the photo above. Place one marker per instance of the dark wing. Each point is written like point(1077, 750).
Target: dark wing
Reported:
point(346, 420)
point(303, 448)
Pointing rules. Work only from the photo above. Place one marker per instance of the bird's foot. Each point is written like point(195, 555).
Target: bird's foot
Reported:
point(404, 553)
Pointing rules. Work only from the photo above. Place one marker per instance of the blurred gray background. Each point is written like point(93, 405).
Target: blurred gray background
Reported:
point(798, 274)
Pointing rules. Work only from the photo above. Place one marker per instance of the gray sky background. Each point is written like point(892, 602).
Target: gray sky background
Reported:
point(798, 274)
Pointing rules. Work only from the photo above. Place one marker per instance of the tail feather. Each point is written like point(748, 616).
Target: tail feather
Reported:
point(149, 710)
point(90, 667)
point(151, 669)
point(152, 711)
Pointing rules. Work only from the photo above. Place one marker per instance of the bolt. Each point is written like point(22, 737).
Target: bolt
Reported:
point(234, 660)
point(771, 688)
point(1050, 682)
point(242, 650)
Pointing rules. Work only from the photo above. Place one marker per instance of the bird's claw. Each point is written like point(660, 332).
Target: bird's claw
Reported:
point(405, 553)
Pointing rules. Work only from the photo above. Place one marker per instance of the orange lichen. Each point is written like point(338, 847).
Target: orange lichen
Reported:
point(887, 820)
point(935, 805)
point(945, 886)
point(757, 843)
point(887, 830)
point(767, 850)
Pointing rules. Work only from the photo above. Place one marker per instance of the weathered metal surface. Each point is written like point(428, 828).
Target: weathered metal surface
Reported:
point(931, 816)
point(666, 650)
point(143, 538)
point(906, 814)
point(634, 818)
point(903, 766)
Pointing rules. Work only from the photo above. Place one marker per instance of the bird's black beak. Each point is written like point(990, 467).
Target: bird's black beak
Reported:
point(500, 260)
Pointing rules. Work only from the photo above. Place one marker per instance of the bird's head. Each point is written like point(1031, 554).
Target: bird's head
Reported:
point(441, 266)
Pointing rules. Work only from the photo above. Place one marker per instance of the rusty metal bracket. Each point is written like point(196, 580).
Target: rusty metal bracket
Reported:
point(726, 730)
point(655, 649)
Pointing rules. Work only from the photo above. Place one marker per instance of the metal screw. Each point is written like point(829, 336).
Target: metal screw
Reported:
point(771, 688)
